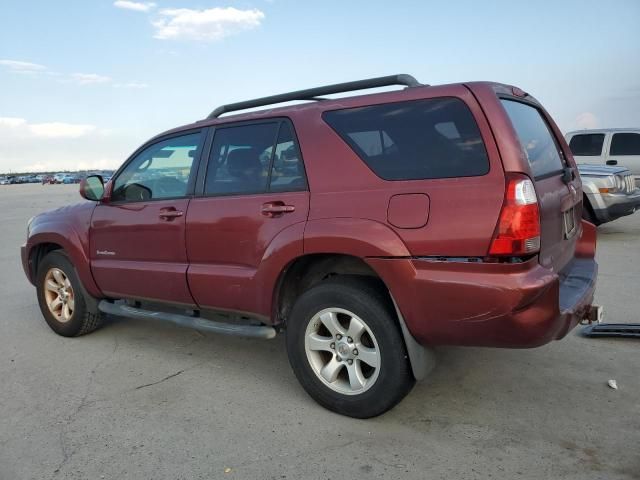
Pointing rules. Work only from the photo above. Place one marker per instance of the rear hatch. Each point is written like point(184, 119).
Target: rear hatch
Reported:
point(557, 184)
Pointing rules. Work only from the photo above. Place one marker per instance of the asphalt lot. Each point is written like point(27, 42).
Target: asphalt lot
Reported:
point(141, 400)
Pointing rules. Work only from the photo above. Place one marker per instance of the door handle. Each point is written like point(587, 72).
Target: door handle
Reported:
point(276, 209)
point(169, 213)
point(612, 162)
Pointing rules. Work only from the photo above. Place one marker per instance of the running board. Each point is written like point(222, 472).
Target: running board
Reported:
point(612, 330)
point(196, 323)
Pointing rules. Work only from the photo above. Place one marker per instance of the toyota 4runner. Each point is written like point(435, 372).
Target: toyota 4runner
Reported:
point(368, 229)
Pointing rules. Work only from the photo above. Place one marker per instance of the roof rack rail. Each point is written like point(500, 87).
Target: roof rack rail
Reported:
point(315, 93)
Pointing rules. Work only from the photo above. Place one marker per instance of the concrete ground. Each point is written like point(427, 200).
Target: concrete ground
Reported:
point(139, 400)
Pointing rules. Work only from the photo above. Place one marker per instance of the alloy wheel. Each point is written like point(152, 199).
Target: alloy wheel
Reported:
point(59, 295)
point(342, 351)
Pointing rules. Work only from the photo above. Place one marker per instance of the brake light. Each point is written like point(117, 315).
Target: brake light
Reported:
point(518, 229)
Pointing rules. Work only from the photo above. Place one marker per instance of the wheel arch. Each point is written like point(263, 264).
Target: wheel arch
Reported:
point(42, 242)
point(308, 270)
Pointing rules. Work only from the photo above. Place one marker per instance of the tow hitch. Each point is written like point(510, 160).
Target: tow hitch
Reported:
point(593, 315)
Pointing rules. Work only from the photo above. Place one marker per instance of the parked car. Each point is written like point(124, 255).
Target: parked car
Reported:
point(609, 193)
point(610, 146)
point(67, 179)
point(59, 177)
point(432, 215)
point(4, 181)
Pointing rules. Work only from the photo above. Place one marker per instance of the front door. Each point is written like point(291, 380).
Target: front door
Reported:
point(254, 191)
point(137, 236)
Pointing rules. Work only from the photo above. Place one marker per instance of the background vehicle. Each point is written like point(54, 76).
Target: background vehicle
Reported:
point(609, 193)
point(59, 178)
point(405, 203)
point(610, 146)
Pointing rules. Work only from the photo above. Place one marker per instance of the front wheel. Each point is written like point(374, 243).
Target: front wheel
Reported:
point(345, 347)
point(63, 302)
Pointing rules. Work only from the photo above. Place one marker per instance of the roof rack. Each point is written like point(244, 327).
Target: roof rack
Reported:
point(315, 93)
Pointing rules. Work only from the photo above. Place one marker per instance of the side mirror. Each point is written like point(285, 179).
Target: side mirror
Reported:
point(92, 188)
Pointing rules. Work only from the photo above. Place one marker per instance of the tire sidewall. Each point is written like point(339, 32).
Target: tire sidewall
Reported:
point(57, 259)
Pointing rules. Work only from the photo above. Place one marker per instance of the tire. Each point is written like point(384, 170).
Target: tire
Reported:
point(358, 389)
point(587, 213)
point(77, 314)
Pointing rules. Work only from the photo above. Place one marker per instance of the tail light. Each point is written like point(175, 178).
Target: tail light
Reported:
point(518, 229)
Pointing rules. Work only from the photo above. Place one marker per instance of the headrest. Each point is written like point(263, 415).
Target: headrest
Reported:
point(242, 159)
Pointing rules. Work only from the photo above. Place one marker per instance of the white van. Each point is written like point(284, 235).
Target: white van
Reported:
point(610, 146)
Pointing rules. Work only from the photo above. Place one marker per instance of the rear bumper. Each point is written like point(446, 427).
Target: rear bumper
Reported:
point(485, 304)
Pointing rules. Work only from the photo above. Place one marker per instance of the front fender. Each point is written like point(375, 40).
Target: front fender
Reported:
point(72, 242)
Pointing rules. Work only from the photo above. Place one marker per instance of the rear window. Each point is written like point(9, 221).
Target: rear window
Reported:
point(587, 145)
point(536, 139)
point(625, 144)
point(414, 140)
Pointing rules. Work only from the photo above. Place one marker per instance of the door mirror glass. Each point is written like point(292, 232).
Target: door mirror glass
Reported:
point(92, 188)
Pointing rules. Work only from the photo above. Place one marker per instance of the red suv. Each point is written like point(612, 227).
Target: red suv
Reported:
point(367, 228)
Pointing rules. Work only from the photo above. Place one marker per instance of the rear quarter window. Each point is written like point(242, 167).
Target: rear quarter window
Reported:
point(538, 143)
point(587, 144)
point(414, 140)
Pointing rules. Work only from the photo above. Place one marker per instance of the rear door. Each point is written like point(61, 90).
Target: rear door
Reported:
point(254, 189)
point(559, 199)
point(624, 150)
point(138, 237)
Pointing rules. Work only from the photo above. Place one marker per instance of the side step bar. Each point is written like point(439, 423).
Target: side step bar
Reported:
point(612, 330)
point(196, 323)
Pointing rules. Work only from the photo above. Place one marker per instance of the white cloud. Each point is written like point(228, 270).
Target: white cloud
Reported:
point(209, 24)
point(13, 127)
point(18, 66)
point(136, 6)
point(89, 78)
point(11, 122)
point(587, 120)
point(134, 85)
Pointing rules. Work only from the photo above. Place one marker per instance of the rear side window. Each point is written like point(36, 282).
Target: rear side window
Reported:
point(536, 139)
point(625, 144)
point(420, 139)
point(587, 145)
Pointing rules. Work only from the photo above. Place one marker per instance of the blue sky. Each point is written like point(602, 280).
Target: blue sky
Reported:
point(84, 82)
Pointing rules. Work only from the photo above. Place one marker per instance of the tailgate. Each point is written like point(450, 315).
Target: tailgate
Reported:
point(559, 198)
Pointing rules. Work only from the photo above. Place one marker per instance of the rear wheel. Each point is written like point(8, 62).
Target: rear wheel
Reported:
point(346, 349)
point(63, 302)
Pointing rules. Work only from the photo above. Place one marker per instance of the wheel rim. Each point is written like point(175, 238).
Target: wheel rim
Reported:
point(342, 351)
point(58, 294)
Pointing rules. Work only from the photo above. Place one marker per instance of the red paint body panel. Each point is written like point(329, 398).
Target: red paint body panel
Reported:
point(69, 228)
point(463, 211)
point(231, 248)
point(497, 305)
point(141, 255)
